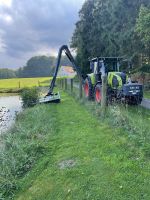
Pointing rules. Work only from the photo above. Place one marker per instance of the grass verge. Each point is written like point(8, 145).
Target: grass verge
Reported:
point(108, 164)
point(147, 94)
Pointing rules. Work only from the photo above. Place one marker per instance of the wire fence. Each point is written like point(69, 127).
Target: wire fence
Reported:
point(75, 88)
point(72, 86)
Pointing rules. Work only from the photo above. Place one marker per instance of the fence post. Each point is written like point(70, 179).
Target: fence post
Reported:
point(104, 92)
point(80, 88)
point(71, 85)
point(65, 84)
point(57, 82)
point(62, 83)
point(19, 84)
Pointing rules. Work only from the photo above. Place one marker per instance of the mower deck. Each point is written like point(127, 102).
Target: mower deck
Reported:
point(52, 98)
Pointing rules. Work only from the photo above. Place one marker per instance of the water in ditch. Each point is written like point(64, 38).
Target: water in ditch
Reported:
point(10, 105)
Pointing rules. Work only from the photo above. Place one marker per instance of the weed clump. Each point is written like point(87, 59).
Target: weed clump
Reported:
point(30, 96)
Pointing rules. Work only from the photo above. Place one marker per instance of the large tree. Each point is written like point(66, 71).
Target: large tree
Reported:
point(143, 27)
point(37, 66)
point(107, 28)
point(7, 73)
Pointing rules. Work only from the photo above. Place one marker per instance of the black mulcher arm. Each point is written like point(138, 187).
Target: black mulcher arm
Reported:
point(75, 67)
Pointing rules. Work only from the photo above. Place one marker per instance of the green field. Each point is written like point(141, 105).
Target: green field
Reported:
point(62, 151)
point(17, 83)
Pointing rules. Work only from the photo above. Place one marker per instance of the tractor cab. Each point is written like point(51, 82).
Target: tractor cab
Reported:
point(109, 66)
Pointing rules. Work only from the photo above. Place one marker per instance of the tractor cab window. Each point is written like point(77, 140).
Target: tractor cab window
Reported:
point(112, 66)
point(95, 68)
point(92, 66)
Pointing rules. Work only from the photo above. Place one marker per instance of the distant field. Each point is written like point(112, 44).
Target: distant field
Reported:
point(17, 83)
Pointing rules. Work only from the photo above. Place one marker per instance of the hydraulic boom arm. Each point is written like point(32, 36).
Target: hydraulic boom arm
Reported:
point(70, 57)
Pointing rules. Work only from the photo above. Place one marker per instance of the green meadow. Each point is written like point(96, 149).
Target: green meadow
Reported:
point(18, 83)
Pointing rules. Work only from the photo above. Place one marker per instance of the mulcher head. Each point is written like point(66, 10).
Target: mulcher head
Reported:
point(50, 98)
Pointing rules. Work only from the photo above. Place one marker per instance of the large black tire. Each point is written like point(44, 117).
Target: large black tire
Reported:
point(98, 93)
point(88, 88)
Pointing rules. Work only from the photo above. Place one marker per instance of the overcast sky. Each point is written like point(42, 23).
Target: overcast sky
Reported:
point(34, 27)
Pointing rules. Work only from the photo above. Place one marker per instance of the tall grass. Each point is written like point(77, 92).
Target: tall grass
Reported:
point(22, 146)
point(134, 121)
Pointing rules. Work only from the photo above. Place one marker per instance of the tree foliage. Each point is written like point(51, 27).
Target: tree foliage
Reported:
point(143, 26)
point(7, 73)
point(107, 28)
point(38, 66)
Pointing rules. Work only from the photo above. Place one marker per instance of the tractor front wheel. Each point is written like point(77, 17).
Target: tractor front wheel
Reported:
point(98, 93)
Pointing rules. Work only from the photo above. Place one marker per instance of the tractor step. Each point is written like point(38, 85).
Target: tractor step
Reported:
point(52, 98)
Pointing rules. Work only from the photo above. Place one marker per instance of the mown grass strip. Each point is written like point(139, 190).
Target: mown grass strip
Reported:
point(107, 164)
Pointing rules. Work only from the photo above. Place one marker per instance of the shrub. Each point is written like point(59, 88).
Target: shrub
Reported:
point(30, 96)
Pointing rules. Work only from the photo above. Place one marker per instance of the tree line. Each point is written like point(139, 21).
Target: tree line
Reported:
point(37, 66)
point(113, 28)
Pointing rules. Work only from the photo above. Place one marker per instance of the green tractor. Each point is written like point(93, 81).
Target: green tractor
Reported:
point(119, 85)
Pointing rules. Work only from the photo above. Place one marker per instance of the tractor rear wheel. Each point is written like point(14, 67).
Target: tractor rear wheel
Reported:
point(98, 93)
point(88, 88)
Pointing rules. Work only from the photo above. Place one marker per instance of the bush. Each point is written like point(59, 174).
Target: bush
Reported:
point(30, 97)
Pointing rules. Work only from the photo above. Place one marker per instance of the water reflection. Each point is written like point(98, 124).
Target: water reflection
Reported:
point(10, 105)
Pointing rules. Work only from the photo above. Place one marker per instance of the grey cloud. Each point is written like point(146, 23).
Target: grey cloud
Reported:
point(37, 24)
